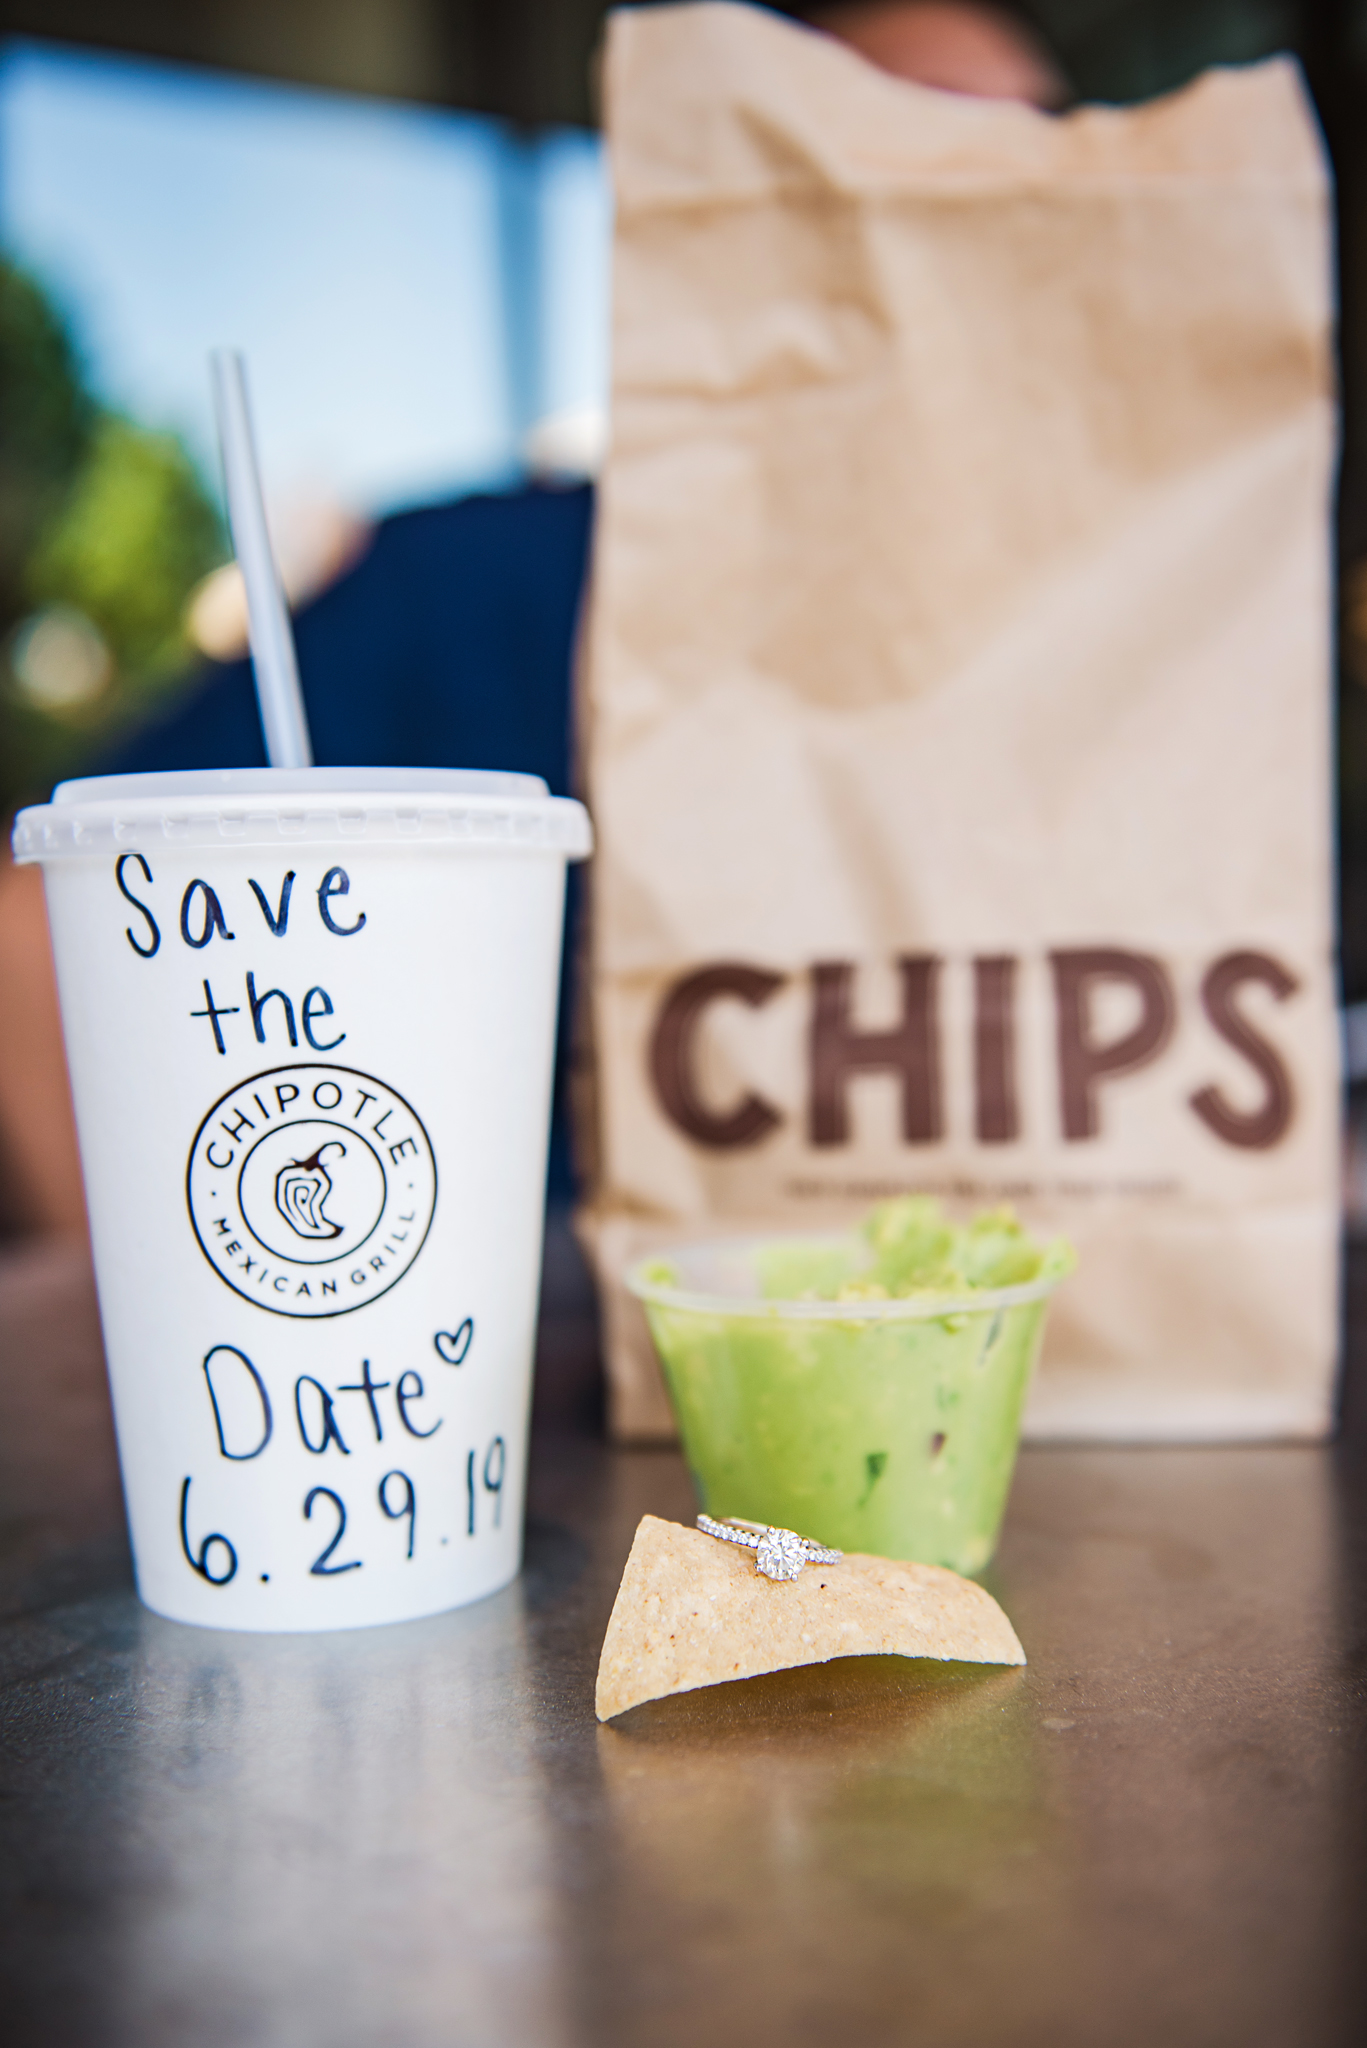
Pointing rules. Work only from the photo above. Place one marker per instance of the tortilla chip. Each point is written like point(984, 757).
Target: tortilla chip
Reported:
point(692, 1611)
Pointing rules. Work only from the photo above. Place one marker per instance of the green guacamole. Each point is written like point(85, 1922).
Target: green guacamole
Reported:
point(891, 1430)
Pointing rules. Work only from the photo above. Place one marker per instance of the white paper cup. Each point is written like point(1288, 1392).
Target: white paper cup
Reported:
point(310, 1021)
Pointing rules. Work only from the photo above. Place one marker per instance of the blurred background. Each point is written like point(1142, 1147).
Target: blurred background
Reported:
point(399, 209)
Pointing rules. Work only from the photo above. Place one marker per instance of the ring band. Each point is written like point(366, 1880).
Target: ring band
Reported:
point(779, 1553)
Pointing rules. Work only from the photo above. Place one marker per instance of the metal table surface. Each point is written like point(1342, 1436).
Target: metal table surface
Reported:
point(419, 1835)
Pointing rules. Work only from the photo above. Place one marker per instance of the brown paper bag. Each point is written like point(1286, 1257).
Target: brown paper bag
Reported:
point(957, 700)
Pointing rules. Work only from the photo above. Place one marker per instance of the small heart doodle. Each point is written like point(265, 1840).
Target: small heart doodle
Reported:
point(454, 1345)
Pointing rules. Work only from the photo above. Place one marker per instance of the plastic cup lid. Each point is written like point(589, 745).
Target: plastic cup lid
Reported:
point(323, 806)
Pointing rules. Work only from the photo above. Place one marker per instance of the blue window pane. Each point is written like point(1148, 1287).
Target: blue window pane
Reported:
point(414, 289)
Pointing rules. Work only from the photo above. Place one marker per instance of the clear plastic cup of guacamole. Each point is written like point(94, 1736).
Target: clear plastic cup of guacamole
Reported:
point(865, 1390)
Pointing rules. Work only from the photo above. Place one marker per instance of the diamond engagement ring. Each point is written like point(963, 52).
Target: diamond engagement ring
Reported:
point(779, 1553)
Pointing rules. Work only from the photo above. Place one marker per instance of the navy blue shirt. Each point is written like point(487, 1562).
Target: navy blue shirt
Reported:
point(448, 645)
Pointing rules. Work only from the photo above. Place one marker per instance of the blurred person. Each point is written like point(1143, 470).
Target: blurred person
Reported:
point(450, 643)
point(955, 45)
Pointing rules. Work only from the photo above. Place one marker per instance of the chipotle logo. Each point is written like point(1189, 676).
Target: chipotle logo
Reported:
point(1088, 1059)
point(311, 1189)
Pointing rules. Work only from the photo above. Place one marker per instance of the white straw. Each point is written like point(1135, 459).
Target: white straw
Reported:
point(277, 673)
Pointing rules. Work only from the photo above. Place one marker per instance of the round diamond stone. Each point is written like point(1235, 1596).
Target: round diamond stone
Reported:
point(781, 1554)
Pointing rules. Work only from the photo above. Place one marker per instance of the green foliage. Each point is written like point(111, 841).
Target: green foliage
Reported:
point(45, 424)
point(131, 540)
point(104, 525)
point(1122, 51)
